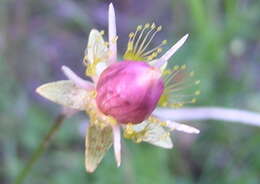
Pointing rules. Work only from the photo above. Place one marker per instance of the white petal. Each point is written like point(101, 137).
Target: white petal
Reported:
point(96, 47)
point(98, 141)
point(162, 61)
point(154, 134)
point(95, 53)
point(117, 144)
point(76, 79)
point(65, 93)
point(101, 66)
point(182, 127)
point(112, 34)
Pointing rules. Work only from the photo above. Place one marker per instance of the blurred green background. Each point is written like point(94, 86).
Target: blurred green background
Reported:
point(38, 37)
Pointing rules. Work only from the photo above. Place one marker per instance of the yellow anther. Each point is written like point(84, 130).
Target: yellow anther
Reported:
point(159, 50)
point(164, 104)
point(93, 93)
point(159, 28)
point(164, 42)
point(164, 124)
point(111, 120)
point(138, 140)
point(192, 74)
point(131, 35)
point(153, 26)
point(193, 100)
point(149, 58)
point(180, 104)
point(127, 135)
point(154, 54)
point(114, 39)
point(139, 27)
point(129, 129)
point(147, 25)
point(166, 72)
point(152, 119)
point(102, 32)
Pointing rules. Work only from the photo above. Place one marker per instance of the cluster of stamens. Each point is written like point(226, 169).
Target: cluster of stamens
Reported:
point(139, 136)
point(139, 41)
point(96, 117)
point(177, 81)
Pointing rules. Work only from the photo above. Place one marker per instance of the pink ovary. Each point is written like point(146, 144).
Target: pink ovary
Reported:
point(129, 91)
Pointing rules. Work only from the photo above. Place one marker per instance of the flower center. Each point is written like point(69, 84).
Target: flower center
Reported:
point(129, 91)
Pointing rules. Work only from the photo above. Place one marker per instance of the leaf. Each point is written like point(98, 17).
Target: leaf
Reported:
point(154, 134)
point(65, 93)
point(98, 141)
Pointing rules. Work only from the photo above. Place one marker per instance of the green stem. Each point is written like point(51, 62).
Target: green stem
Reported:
point(39, 150)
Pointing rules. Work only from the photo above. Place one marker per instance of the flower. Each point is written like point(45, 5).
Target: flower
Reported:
point(122, 95)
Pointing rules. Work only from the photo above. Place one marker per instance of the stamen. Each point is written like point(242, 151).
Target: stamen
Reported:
point(102, 32)
point(176, 83)
point(157, 47)
point(140, 40)
point(95, 116)
point(134, 134)
point(151, 38)
point(146, 26)
point(172, 75)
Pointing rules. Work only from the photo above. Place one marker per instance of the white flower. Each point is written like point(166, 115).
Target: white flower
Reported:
point(104, 129)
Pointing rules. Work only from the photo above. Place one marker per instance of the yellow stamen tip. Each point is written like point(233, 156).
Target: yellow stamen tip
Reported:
point(164, 42)
point(131, 35)
point(147, 25)
point(139, 27)
point(159, 50)
point(153, 26)
point(159, 28)
point(102, 32)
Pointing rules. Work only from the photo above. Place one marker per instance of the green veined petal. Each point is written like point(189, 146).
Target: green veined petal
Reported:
point(98, 141)
point(96, 54)
point(152, 133)
point(65, 93)
point(158, 136)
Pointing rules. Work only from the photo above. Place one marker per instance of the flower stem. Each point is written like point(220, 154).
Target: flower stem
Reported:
point(40, 149)
point(205, 113)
